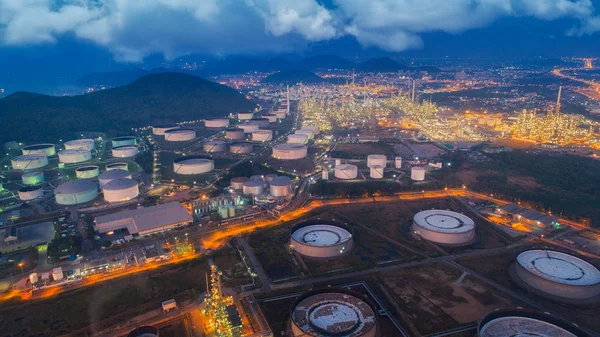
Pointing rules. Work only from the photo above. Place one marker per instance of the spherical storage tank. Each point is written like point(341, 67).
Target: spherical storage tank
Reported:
point(234, 134)
point(333, 313)
point(237, 183)
point(111, 175)
point(522, 323)
point(126, 151)
point(29, 162)
point(444, 227)
point(80, 144)
point(87, 172)
point(121, 189)
point(560, 275)
point(190, 165)
point(180, 135)
point(215, 146)
point(280, 186)
point(75, 192)
point(262, 136)
point(255, 187)
point(417, 173)
point(32, 178)
point(74, 156)
point(40, 149)
point(30, 192)
point(271, 117)
point(376, 172)
point(297, 139)
point(376, 160)
point(346, 171)
point(243, 116)
point(321, 239)
point(159, 130)
point(121, 165)
point(123, 141)
point(216, 123)
point(248, 127)
point(289, 151)
point(241, 148)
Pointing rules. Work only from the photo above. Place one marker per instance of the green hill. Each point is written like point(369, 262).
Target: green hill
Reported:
point(292, 77)
point(156, 98)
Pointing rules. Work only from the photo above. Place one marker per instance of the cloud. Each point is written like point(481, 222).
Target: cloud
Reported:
point(133, 29)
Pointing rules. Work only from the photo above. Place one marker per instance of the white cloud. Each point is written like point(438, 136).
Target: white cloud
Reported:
point(133, 29)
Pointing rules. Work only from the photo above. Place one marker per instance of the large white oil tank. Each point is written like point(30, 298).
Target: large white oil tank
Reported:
point(262, 136)
point(28, 162)
point(297, 139)
point(231, 211)
point(255, 187)
point(159, 130)
point(338, 161)
point(224, 211)
point(309, 133)
point(191, 165)
point(290, 151)
point(271, 117)
point(248, 127)
point(30, 192)
point(237, 183)
point(444, 227)
point(417, 173)
point(75, 192)
point(376, 172)
point(87, 172)
point(80, 144)
point(398, 162)
point(33, 278)
point(32, 178)
point(215, 146)
point(234, 134)
point(123, 141)
point(376, 159)
point(180, 135)
point(57, 274)
point(111, 175)
point(47, 150)
point(346, 171)
point(216, 123)
point(74, 156)
point(280, 186)
point(313, 128)
point(122, 189)
point(244, 116)
point(126, 151)
point(325, 175)
point(121, 165)
point(241, 148)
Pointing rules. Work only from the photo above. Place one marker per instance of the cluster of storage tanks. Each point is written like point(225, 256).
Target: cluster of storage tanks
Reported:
point(377, 164)
point(321, 239)
point(444, 227)
point(278, 186)
point(303, 135)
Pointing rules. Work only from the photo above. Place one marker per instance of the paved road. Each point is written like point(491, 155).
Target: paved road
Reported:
point(262, 274)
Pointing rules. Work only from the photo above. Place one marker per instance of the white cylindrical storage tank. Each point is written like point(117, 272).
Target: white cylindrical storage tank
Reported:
point(122, 189)
point(289, 151)
point(377, 159)
point(320, 239)
point(80, 144)
point(257, 177)
point(191, 165)
point(262, 136)
point(231, 211)
point(297, 139)
point(32, 178)
point(279, 114)
point(338, 161)
point(47, 150)
point(261, 122)
point(248, 128)
point(75, 192)
point(398, 162)
point(180, 135)
point(346, 171)
point(444, 227)
point(309, 133)
point(559, 275)
point(523, 322)
point(244, 116)
point(111, 175)
point(280, 186)
point(241, 148)
point(72, 156)
point(224, 212)
point(87, 172)
point(216, 123)
point(314, 129)
point(325, 175)
point(28, 162)
point(417, 173)
point(57, 274)
point(237, 183)
point(127, 151)
point(271, 117)
point(376, 172)
point(31, 192)
point(215, 146)
point(123, 141)
point(121, 165)
point(33, 278)
point(255, 187)
point(234, 134)
point(159, 130)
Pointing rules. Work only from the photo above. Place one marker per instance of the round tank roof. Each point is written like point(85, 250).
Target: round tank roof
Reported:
point(74, 151)
point(524, 323)
point(321, 235)
point(444, 221)
point(30, 188)
point(27, 157)
point(192, 159)
point(124, 138)
point(559, 267)
point(38, 146)
point(281, 181)
point(164, 126)
point(87, 168)
point(114, 174)
point(119, 184)
point(179, 131)
point(253, 183)
point(75, 186)
point(289, 147)
point(239, 179)
point(234, 129)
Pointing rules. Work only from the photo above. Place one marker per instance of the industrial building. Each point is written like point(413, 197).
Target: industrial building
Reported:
point(560, 275)
point(333, 312)
point(289, 151)
point(29, 162)
point(127, 151)
point(262, 136)
point(180, 135)
point(146, 220)
point(121, 165)
point(111, 175)
point(241, 148)
point(47, 150)
point(75, 192)
point(87, 172)
point(444, 227)
point(280, 186)
point(528, 216)
point(215, 146)
point(30, 192)
point(123, 141)
point(80, 144)
point(216, 123)
point(520, 322)
point(321, 239)
point(234, 134)
point(346, 171)
point(159, 130)
point(72, 156)
point(122, 189)
point(189, 165)
point(32, 178)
